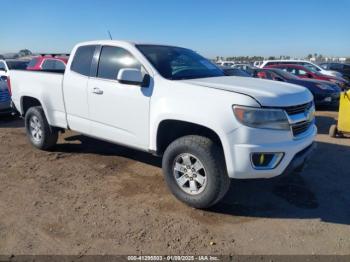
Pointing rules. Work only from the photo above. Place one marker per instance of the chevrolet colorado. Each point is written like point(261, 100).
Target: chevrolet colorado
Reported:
point(171, 102)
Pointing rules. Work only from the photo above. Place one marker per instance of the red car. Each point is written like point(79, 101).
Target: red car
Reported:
point(48, 62)
point(305, 72)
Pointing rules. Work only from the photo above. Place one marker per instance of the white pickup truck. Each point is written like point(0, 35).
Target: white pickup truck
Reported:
point(172, 102)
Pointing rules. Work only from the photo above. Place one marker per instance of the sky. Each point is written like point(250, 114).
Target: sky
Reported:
point(212, 28)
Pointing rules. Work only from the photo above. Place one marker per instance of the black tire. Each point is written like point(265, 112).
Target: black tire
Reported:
point(333, 131)
point(49, 135)
point(212, 159)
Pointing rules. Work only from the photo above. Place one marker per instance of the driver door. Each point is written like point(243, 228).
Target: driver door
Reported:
point(118, 112)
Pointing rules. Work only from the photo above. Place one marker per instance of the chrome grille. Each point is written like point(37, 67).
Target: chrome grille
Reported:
point(300, 127)
point(293, 110)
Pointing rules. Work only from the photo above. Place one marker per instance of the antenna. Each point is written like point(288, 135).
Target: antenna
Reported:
point(110, 36)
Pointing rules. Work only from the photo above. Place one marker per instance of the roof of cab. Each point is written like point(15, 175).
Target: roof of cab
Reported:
point(119, 42)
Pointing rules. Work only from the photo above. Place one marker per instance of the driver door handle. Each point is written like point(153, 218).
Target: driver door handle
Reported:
point(97, 91)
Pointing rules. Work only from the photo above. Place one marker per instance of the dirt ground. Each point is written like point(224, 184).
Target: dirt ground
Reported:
point(92, 197)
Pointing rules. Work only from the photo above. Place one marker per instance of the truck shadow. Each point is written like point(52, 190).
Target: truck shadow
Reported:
point(324, 123)
point(7, 121)
point(321, 191)
point(90, 145)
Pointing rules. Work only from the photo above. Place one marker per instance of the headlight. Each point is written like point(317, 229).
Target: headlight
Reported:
point(325, 87)
point(262, 117)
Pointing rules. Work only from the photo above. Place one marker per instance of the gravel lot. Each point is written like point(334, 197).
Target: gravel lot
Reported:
point(92, 197)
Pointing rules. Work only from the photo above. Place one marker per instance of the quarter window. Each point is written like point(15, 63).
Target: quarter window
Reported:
point(112, 59)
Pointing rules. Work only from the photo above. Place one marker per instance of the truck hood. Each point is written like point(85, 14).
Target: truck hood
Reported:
point(266, 92)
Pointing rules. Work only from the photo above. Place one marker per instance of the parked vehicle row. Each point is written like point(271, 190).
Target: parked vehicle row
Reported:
point(12, 64)
point(307, 64)
point(324, 92)
point(172, 102)
point(44, 62)
point(306, 72)
point(344, 69)
point(325, 89)
point(48, 63)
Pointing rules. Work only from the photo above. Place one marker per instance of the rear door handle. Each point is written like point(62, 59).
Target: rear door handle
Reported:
point(97, 91)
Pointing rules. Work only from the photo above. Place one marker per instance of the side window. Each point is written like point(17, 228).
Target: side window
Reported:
point(33, 62)
point(336, 67)
point(82, 59)
point(112, 59)
point(291, 70)
point(48, 64)
point(302, 72)
point(59, 65)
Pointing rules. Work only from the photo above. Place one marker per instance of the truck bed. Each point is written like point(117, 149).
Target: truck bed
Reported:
point(43, 85)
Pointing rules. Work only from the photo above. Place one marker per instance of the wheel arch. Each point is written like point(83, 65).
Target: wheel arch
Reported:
point(28, 102)
point(170, 129)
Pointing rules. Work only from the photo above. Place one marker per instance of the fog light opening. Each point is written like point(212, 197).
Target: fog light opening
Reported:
point(266, 160)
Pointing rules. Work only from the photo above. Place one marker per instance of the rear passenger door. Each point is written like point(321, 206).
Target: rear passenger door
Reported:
point(118, 112)
point(75, 88)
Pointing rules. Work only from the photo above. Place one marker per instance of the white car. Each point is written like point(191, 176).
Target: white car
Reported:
point(172, 102)
point(304, 63)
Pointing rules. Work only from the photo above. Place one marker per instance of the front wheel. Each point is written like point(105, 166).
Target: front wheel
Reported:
point(195, 171)
point(40, 133)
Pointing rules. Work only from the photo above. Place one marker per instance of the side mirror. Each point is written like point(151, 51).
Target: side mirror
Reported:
point(130, 76)
point(309, 76)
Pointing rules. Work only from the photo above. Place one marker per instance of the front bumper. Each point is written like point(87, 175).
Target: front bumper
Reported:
point(266, 141)
point(299, 160)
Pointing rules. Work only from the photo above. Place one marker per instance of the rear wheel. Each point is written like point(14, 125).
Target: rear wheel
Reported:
point(195, 171)
point(40, 133)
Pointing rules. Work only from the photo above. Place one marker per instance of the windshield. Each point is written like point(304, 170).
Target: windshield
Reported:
point(17, 64)
point(313, 69)
point(285, 74)
point(177, 63)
